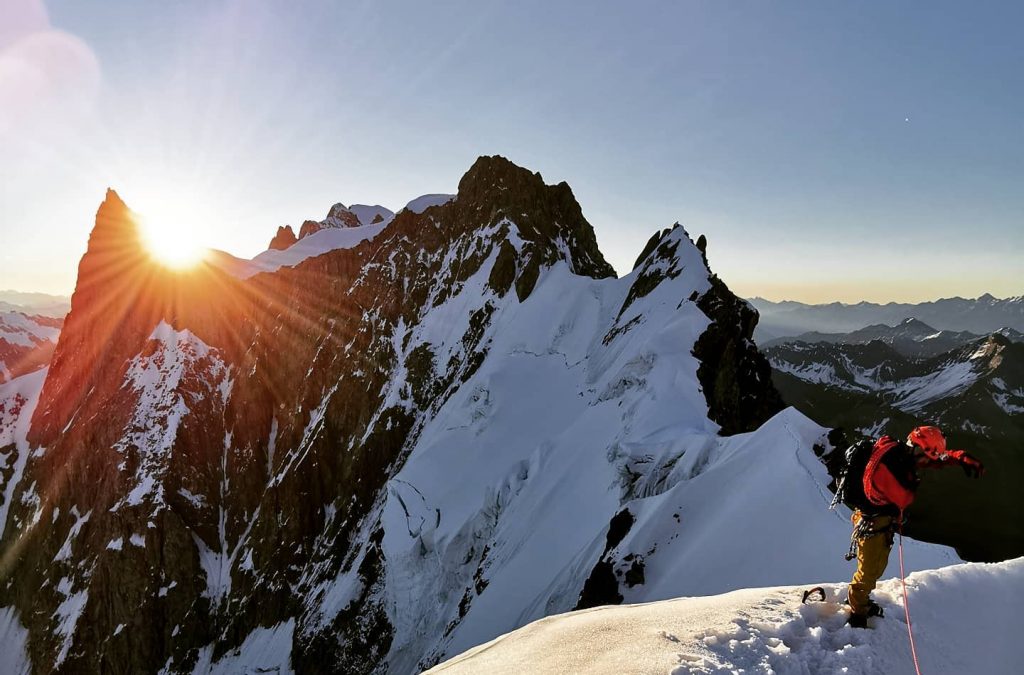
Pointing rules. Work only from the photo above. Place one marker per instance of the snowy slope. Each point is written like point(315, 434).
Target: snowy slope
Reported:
point(366, 213)
point(320, 242)
point(18, 399)
point(13, 644)
point(20, 329)
point(508, 494)
point(424, 202)
point(311, 246)
point(767, 630)
point(26, 343)
point(911, 384)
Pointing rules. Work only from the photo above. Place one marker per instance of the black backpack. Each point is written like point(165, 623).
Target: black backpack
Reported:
point(850, 480)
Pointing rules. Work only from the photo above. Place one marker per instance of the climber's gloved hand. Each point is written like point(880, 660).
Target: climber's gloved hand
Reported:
point(972, 466)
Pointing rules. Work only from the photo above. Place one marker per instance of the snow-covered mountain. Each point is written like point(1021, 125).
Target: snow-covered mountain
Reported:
point(27, 342)
point(768, 630)
point(974, 391)
point(406, 438)
point(910, 337)
point(981, 315)
point(41, 304)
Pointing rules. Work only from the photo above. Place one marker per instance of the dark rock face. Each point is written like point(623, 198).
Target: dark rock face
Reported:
point(736, 377)
point(494, 189)
point(284, 238)
point(602, 586)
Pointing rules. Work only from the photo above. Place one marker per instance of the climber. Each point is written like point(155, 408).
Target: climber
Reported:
point(889, 479)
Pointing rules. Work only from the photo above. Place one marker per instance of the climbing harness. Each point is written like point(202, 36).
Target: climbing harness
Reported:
point(866, 528)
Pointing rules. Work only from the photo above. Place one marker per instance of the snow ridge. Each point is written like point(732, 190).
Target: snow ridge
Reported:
point(767, 630)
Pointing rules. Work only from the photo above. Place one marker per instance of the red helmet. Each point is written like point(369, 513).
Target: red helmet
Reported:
point(930, 440)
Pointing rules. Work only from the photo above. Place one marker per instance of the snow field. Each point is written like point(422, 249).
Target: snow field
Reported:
point(19, 329)
point(767, 631)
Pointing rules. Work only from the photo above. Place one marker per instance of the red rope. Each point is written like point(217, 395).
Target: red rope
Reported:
point(906, 604)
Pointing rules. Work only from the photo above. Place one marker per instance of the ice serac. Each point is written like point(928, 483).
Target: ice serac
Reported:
point(377, 454)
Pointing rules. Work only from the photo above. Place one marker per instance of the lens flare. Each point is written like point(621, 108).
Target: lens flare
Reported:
point(173, 240)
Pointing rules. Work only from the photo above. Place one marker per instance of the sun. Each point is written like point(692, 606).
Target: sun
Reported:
point(171, 241)
point(172, 235)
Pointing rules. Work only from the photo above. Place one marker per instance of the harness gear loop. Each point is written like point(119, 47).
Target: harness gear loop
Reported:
point(866, 527)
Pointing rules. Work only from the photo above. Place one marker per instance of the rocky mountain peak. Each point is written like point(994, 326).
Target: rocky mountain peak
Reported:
point(340, 216)
point(916, 324)
point(115, 230)
point(309, 227)
point(119, 297)
point(548, 216)
point(284, 238)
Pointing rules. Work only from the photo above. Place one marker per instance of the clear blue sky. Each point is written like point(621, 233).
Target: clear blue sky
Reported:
point(829, 150)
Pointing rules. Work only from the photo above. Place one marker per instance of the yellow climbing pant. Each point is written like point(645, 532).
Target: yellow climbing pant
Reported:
point(873, 549)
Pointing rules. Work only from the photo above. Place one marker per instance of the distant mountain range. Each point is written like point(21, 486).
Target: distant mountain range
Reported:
point(42, 304)
point(888, 379)
point(911, 337)
point(982, 315)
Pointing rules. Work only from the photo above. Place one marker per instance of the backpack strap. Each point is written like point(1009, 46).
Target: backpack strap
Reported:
point(882, 446)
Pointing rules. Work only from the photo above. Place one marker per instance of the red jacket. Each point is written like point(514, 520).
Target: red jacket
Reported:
point(892, 474)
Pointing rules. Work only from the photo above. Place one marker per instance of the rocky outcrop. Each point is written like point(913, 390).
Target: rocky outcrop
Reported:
point(548, 216)
point(309, 227)
point(736, 377)
point(340, 216)
point(284, 238)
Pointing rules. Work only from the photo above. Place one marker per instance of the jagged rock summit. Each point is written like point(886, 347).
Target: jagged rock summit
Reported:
point(387, 444)
point(338, 217)
point(284, 238)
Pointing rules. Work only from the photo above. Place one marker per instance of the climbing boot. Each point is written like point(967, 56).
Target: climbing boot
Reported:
point(858, 620)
